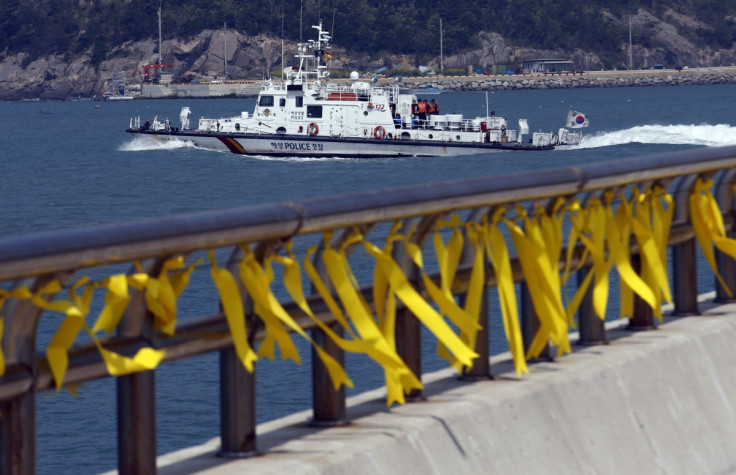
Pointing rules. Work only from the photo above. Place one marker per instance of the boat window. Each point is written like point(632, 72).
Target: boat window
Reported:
point(300, 101)
point(314, 112)
point(282, 102)
point(266, 101)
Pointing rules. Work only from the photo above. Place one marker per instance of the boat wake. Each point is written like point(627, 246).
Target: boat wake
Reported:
point(703, 135)
point(142, 143)
point(297, 159)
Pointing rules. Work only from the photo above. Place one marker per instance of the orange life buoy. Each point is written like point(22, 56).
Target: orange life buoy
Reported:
point(313, 129)
point(379, 132)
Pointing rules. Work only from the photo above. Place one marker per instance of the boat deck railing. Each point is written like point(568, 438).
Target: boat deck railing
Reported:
point(119, 284)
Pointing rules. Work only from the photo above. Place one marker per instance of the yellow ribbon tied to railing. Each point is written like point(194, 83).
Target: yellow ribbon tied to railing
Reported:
point(543, 280)
point(161, 292)
point(710, 231)
point(589, 225)
point(499, 256)
point(419, 307)
point(466, 318)
point(232, 305)
point(618, 226)
point(400, 380)
point(650, 224)
point(75, 309)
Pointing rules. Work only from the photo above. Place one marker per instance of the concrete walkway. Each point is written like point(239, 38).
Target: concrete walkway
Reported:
point(650, 402)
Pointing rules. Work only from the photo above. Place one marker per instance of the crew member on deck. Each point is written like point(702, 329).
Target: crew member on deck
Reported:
point(434, 107)
point(422, 110)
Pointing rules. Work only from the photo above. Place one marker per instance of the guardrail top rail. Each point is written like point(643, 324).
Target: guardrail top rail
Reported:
point(605, 207)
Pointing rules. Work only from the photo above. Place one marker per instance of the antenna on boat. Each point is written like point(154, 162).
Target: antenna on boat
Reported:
point(486, 103)
point(332, 28)
point(283, 66)
point(301, 20)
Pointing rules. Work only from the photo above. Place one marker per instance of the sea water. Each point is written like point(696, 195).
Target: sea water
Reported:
point(71, 165)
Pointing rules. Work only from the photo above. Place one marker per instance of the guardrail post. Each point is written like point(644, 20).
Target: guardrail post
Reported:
point(481, 367)
point(684, 257)
point(530, 323)
point(18, 435)
point(237, 407)
point(643, 317)
point(329, 406)
point(237, 385)
point(726, 264)
point(685, 279)
point(136, 396)
point(408, 328)
point(137, 423)
point(409, 346)
point(592, 328)
point(18, 421)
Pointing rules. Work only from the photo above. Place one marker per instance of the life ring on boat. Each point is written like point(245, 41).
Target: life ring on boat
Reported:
point(379, 132)
point(313, 129)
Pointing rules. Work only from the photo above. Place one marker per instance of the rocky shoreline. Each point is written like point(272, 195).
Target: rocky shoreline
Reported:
point(702, 76)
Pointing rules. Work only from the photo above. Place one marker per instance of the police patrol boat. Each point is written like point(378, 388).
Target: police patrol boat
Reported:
point(306, 114)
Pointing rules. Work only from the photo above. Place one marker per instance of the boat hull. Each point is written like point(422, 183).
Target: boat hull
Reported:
point(315, 146)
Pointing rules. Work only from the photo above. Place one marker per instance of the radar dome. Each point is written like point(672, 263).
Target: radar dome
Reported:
point(354, 76)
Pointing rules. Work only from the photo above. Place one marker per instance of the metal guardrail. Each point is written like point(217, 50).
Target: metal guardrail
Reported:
point(37, 259)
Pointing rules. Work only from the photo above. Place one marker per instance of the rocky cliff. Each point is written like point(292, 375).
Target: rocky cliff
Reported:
point(204, 56)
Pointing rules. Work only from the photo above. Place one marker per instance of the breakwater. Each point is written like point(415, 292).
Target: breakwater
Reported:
point(666, 77)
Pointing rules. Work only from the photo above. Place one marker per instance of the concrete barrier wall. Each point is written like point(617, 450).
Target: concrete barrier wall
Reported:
point(650, 402)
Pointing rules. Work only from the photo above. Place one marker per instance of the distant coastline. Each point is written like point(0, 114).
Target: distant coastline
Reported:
point(484, 82)
point(638, 78)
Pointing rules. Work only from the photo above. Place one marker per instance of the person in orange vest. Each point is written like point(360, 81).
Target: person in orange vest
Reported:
point(422, 109)
point(434, 107)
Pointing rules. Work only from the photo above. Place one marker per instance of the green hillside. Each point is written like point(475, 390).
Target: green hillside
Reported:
point(69, 27)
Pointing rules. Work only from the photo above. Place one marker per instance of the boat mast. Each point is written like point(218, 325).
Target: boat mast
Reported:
point(283, 66)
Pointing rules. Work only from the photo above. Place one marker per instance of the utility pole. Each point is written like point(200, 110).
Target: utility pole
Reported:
point(160, 51)
point(441, 68)
point(631, 64)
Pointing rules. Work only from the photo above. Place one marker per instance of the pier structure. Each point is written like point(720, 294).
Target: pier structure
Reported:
point(661, 380)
